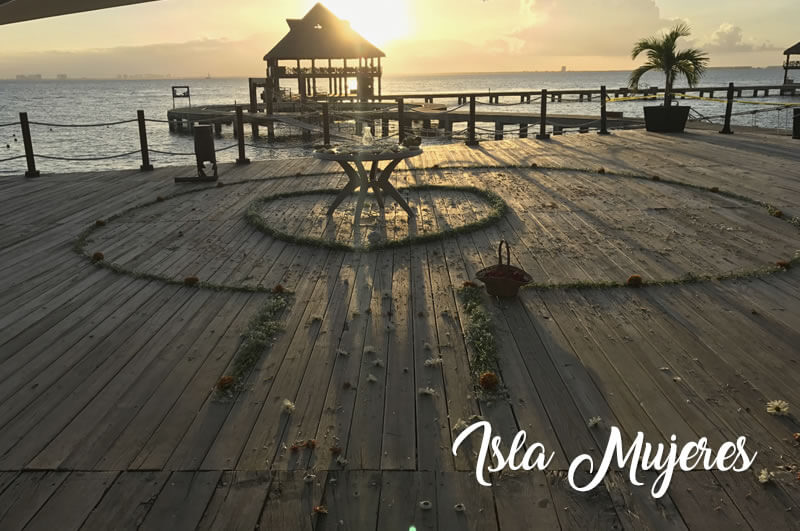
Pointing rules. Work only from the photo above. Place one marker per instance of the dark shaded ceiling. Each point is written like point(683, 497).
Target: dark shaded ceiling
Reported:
point(21, 10)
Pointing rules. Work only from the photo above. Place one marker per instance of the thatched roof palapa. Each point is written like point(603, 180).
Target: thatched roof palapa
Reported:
point(793, 50)
point(321, 35)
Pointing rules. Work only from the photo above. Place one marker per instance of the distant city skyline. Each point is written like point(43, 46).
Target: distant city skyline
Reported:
point(192, 38)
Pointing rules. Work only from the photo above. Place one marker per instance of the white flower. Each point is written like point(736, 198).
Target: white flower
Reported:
point(765, 476)
point(778, 407)
point(288, 406)
point(433, 362)
point(593, 421)
point(371, 378)
point(378, 363)
point(426, 391)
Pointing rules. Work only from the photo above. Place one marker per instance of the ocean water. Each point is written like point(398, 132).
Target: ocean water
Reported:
point(55, 102)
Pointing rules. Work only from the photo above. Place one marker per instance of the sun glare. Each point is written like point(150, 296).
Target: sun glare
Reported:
point(379, 21)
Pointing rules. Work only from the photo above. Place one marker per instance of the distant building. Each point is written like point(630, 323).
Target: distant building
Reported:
point(321, 35)
point(563, 68)
point(29, 77)
point(61, 77)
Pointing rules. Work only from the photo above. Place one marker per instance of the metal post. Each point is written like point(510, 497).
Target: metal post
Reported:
point(401, 129)
point(270, 124)
point(603, 116)
point(26, 139)
point(726, 129)
point(543, 135)
point(240, 132)
point(471, 140)
point(326, 131)
point(796, 124)
point(146, 166)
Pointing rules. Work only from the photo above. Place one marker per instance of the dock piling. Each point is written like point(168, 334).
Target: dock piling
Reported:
point(498, 130)
point(603, 116)
point(26, 140)
point(146, 166)
point(543, 118)
point(239, 125)
point(726, 129)
point(326, 130)
point(796, 124)
point(401, 126)
point(471, 140)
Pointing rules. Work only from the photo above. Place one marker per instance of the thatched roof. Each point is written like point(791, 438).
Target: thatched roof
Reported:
point(21, 10)
point(322, 35)
point(793, 50)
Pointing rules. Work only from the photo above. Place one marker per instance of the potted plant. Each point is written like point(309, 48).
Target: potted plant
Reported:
point(663, 55)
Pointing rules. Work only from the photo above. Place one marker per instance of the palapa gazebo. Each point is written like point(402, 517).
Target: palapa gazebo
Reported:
point(789, 64)
point(322, 36)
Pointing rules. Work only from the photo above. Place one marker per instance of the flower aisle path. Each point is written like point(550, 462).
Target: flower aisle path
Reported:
point(130, 397)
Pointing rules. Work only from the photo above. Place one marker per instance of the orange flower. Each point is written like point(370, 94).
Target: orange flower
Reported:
point(98, 257)
point(634, 281)
point(225, 382)
point(489, 381)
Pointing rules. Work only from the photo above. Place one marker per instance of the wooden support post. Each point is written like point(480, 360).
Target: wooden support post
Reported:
point(270, 124)
point(726, 129)
point(146, 166)
point(766, 92)
point(580, 96)
point(559, 97)
point(240, 132)
point(543, 118)
point(603, 115)
point(523, 131)
point(171, 126)
point(218, 128)
point(498, 131)
point(326, 131)
point(26, 140)
point(796, 124)
point(384, 126)
point(471, 140)
point(401, 118)
point(253, 108)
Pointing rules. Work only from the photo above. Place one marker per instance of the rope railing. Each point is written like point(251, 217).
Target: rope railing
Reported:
point(12, 158)
point(104, 124)
point(86, 159)
point(11, 124)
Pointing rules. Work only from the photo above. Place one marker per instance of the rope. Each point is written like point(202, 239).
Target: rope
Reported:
point(9, 125)
point(45, 124)
point(169, 153)
point(226, 148)
point(13, 158)
point(746, 102)
point(156, 120)
point(85, 159)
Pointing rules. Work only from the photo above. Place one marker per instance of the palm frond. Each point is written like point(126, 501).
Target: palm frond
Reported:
point(636, 75)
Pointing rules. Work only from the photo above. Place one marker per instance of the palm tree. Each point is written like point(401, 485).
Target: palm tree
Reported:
point(663, 55)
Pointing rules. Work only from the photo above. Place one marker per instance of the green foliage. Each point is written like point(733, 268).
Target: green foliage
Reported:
point(479, 333)
point(499, 208)
point(258, 337)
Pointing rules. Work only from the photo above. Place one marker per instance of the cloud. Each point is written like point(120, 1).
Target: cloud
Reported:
point(729, 39)
point(587, 27)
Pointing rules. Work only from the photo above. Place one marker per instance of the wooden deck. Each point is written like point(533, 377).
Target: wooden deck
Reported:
point(108, 417)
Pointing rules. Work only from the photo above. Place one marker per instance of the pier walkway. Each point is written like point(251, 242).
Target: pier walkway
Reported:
point(109, 416)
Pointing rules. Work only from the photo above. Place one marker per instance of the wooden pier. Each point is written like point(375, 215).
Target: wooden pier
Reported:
point(109, 417)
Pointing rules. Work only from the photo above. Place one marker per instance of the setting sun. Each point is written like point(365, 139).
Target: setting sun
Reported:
point(379, 21)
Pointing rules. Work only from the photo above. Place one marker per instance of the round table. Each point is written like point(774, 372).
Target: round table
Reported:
point(353, 165)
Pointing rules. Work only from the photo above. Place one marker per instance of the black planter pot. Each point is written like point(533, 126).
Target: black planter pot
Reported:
point(659, 119)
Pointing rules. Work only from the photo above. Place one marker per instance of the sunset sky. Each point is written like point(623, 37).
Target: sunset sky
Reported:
point(229, 38)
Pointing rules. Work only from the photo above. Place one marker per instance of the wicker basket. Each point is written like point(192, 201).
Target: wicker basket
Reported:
point(503, 280)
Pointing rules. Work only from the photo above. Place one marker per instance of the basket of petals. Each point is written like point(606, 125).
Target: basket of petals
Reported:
point(503, 279)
